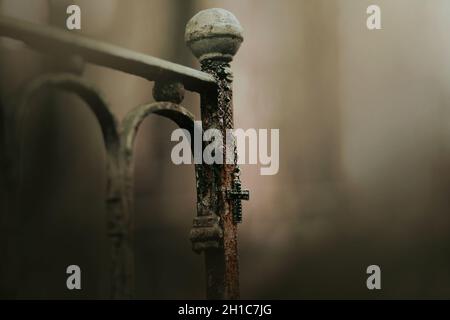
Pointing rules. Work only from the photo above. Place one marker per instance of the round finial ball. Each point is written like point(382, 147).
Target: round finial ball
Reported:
point(214, 34)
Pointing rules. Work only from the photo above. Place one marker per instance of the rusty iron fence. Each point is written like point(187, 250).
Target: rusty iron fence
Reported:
point(214, 36)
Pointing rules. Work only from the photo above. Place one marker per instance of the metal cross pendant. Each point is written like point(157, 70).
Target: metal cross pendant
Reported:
point(237, 194)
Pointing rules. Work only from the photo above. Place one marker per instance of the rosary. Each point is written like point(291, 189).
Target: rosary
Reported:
point(237, 194)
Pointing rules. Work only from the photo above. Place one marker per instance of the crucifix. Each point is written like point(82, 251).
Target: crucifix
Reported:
point(236, 195)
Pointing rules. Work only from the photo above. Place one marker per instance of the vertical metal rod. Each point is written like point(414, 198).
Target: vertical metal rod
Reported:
point(214, 36)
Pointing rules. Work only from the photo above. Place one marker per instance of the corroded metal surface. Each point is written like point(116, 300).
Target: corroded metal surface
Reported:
point(168, 91)
point(214, 36)
point(63, 43)
point(206, 233)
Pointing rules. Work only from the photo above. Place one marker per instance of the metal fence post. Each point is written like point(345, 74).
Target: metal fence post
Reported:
point(214, 36)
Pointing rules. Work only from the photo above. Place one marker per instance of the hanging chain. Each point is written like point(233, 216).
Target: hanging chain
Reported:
point(237, 208)
point(222, 73)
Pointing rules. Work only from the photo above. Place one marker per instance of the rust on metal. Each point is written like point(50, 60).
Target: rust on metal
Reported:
point(168, 91)
point(214, 36)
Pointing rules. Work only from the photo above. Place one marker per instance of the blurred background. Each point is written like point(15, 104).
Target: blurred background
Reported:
point(364, 119)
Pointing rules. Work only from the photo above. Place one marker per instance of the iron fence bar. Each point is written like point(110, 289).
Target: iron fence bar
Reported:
point(60, 42)
point(128, 130)
point(214, 36)
point(116, 206)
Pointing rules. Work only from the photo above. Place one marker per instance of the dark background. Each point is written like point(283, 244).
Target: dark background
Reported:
point(364, 153)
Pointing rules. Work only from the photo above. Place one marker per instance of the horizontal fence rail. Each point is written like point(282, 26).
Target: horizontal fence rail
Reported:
point(55, 41)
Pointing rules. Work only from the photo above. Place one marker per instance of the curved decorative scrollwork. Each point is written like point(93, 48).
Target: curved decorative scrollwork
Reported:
point(130, 124)
point(129, 128)
point(85, 91)
point(119, 143)
point(132, 121)
point(116, 206)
